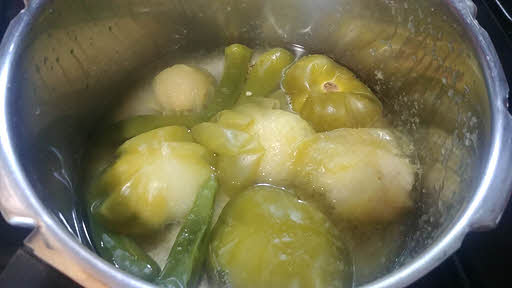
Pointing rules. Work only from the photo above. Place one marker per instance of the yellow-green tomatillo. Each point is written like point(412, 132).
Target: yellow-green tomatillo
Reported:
point(153, 182)
point(253, 144)
point(266, 237)
point(329, 95)
point(361, 175)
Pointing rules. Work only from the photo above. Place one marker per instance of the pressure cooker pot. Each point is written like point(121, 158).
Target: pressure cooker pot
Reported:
point(65, 64)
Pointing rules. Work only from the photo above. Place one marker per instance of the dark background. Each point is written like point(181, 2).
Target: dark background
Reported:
point(482, 261)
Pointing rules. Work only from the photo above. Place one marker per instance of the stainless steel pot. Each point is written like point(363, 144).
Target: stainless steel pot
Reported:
point(64, 63)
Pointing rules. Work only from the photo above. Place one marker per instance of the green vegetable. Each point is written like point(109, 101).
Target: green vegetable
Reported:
point(153, 181)
point(119, 250)
point(236, 64)
point(332, 110)
point(183, 88)
point(266, 237)
point(123, 253)
point(238, 153)
point(329, 96)
point(361, 175)
point(140, 214)
point(129, 128)
point(266, 74)
point(254, 144)
point(187, 255)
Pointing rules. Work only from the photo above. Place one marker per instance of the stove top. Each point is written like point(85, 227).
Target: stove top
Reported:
point(482, 261)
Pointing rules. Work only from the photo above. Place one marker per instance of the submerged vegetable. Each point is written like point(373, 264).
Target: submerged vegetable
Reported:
point(330, 96)
point(238, 153)
point(265, 76)
point(153, 182)
point(236, 65)
point(279, 132)
point(253, 144)
point(190, 248)
point(123, 253)
point(119, 250)
point(183, 88)
point(248, 129)
point(266, 237)
point(360, 173)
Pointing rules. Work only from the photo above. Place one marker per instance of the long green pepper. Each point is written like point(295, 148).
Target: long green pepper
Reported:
point(123, 253)
point(183, 268)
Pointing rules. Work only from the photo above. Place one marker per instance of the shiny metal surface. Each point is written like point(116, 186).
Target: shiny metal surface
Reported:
point(64, 63)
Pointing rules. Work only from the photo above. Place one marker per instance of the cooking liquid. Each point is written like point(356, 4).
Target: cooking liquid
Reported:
point(373, 248)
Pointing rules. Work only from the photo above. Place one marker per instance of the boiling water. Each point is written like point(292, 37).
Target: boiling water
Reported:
point(373, 248)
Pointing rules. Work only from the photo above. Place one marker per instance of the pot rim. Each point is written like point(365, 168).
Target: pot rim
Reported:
point(20, 205)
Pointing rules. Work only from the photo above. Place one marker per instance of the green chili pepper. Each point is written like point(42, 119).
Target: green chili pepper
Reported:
point(123, 253)
point(129, 128)
point(189, 250)
point(120, 251)
point(265, 76)
point(236, 64)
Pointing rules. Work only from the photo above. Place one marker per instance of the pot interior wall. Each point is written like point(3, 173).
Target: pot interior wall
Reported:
point(81, 57)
